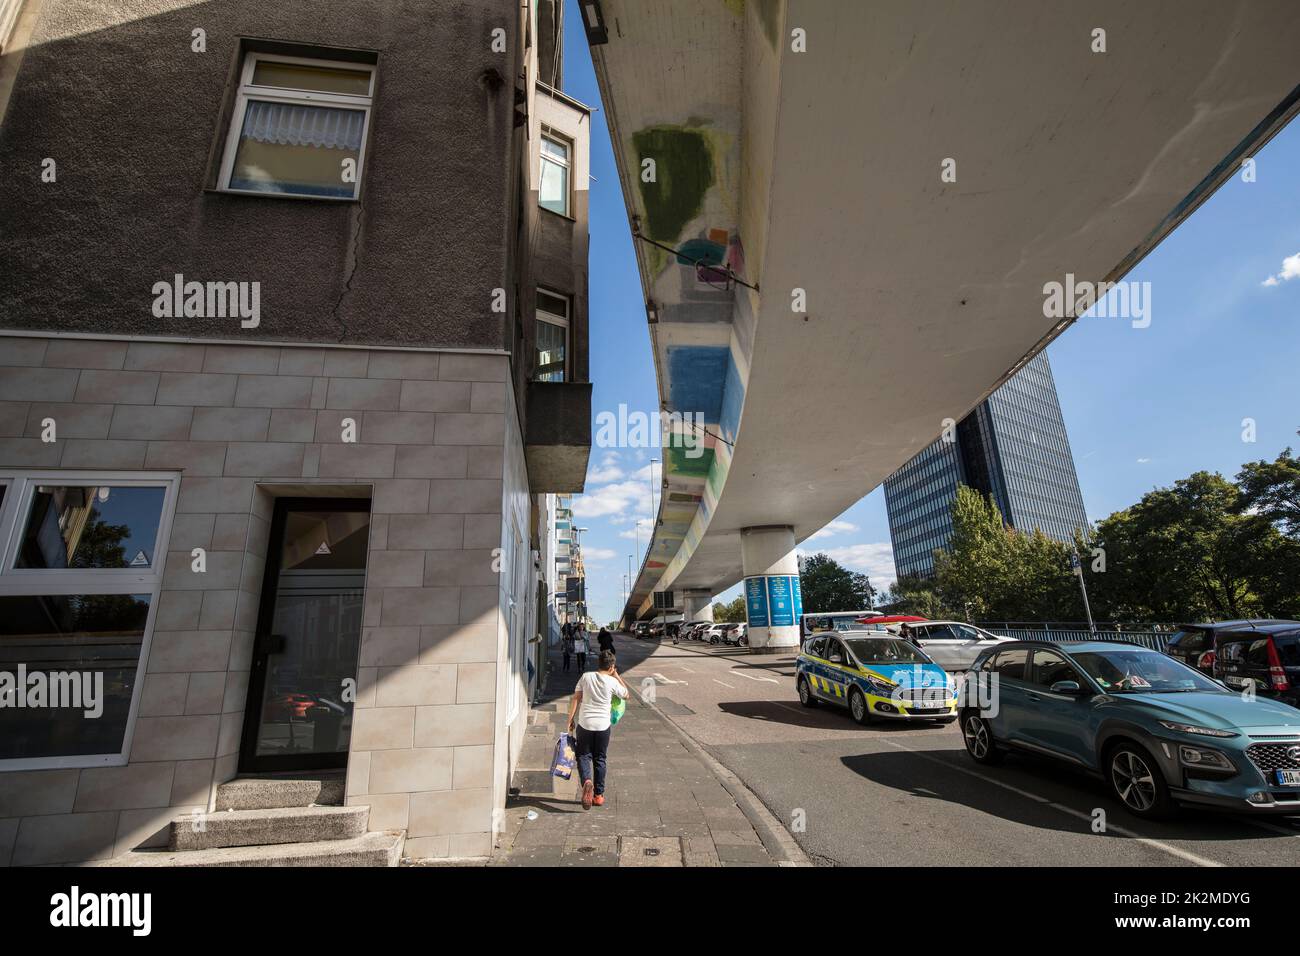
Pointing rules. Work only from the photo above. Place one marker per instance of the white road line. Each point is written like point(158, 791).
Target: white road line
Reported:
point(664, 680)
point(689, 670)
point(724, 683)
point(1110, 827)
point(770, 680)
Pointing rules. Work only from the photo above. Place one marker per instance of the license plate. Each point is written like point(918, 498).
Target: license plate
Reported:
point(1288, 778)
point(1236, 681)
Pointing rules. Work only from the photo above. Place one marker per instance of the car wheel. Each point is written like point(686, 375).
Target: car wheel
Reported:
point(977, 733)
point(858, 706)
point(805, 693)
point(1137, 782)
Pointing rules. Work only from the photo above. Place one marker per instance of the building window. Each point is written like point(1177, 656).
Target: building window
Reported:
point(298, 127)
point(551, 361)
point(79, 585)
point(554, 186)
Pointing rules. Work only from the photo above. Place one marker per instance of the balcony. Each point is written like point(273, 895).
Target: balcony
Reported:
point(557, 437)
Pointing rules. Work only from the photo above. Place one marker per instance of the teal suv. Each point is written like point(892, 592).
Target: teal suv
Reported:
point(1159, 732)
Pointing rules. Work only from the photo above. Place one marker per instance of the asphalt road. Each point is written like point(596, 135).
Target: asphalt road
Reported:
point(909, 794)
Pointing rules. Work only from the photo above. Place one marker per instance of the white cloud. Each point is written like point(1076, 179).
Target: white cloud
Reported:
point(613, 499)
point(640, 529)
point(591, 555)
point(833, 528)
point(876, 560)
point(1143, 461)
point(602, 474)
point(1290, 270)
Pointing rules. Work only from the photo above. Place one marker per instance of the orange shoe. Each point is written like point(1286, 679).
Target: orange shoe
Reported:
point(598, 800)
point(587, 789)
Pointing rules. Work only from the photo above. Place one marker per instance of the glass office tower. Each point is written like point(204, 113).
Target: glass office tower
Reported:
point(1013, 446)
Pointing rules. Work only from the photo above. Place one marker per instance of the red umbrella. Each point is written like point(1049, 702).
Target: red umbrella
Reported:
point(892, 619)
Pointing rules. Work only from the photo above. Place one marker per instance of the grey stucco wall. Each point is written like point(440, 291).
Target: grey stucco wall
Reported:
point(113, 93)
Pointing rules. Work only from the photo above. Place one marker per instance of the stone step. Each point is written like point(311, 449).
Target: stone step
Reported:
point(271, 793)
point(370, 849)
point(230, 828)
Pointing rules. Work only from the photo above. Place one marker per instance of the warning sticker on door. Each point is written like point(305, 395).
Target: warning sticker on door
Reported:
point(323, 549)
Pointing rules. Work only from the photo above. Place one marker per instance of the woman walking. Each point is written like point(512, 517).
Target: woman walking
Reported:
point(566, 645)
point(589, 718)
point(580, 646)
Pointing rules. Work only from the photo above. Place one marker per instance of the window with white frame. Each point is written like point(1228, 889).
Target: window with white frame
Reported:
point(298, 127)
point(550, 364)
point(553, 188)
point(80, 575)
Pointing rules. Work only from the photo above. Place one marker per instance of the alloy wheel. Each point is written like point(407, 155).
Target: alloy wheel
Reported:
point(1133, 780)
point(977, 737)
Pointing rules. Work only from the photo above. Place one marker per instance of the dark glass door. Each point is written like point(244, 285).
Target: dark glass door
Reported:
point(302, 686)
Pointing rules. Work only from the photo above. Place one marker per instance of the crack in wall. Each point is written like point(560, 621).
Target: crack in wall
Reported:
point(353, 256)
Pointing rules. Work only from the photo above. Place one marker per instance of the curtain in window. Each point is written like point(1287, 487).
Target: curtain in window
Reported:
point(288, 125)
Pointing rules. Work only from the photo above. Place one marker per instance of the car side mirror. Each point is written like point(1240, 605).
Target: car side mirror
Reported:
point(1067, 687)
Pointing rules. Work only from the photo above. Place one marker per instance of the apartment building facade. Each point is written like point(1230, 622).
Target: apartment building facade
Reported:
point(292, 351)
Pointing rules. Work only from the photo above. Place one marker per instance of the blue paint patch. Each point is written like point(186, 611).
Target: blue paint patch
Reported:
point(696, 377)
point(733, 398)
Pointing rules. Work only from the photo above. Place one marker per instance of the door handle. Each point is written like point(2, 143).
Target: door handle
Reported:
point(270, 644)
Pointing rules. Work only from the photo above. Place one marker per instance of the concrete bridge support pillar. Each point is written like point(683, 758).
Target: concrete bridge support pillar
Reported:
point(697, 606)
point(773, 601)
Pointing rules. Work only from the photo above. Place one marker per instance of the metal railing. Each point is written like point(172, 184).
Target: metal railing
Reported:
point(1156, 640)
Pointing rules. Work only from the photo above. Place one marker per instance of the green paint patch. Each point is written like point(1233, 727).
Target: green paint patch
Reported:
point(683, 176)
point(769, 13)
point(680, 465)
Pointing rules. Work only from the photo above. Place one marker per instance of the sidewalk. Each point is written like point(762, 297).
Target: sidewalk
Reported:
point(663, 805)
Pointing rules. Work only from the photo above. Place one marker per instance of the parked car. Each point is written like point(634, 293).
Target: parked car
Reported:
point(874, 675)
point(741, 635)
point(810, 624)
point(713, 633)
point(1158, 732)
point(953, 645)
point(1265, 656)
point(1195, 644)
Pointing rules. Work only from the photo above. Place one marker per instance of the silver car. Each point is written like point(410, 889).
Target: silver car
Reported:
point(953, 645)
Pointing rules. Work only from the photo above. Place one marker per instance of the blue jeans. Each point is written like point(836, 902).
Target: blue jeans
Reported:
point(592, 746)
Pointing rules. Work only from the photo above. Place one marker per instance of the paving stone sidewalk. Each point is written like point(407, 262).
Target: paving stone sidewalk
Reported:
point(663, 806)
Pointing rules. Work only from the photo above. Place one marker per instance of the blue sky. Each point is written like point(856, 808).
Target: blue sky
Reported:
point(1143, 407)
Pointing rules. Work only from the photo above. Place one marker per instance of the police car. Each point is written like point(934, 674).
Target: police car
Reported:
point(875, 675)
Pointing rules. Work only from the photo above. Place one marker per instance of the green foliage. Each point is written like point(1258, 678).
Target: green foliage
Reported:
point(912, 594)
point(731, 613)
point(827, 585)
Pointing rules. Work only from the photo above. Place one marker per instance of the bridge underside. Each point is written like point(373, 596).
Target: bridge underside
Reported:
point(819, 172)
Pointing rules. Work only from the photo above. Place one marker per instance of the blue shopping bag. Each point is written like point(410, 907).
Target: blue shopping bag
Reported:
point(565, 758)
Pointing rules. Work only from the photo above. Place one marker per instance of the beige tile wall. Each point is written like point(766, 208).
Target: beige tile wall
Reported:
point(242, 425)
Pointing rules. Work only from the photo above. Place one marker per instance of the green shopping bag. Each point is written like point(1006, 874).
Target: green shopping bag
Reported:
point(616, 708)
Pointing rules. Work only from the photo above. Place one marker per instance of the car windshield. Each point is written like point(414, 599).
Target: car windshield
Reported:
point(879, 650)
point(1141, 671)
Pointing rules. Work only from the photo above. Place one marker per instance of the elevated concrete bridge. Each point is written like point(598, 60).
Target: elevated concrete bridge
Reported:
point(821, 293)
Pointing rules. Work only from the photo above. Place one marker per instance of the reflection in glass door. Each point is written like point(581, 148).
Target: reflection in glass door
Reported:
point(302, 686)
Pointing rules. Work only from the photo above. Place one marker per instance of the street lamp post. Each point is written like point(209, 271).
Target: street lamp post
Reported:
point(1077, 567)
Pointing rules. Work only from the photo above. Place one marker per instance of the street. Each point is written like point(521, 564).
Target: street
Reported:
point(907, 795)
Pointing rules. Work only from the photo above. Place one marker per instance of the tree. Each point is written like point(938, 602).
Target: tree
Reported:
point(1191, 552)
point(731, 613)
point(1271, 489)
point(912, 594)
point(829, 586)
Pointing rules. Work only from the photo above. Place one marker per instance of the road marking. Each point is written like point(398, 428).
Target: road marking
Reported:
point(724, 683)
point(737, 670)
point(664, 680)
point(689, 670)
point(1079, 814)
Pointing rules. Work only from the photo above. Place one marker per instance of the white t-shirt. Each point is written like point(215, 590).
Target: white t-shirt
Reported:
point(598, 691)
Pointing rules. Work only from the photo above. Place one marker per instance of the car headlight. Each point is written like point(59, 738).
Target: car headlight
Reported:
point(1198, 731)
point(1203, 757)
point(879, 687)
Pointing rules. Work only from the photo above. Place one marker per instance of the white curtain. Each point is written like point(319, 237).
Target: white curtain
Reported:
point(289, 125)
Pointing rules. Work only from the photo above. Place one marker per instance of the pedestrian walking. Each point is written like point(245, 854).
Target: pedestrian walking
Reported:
point(605, 640)
point(566, 645)
point(589, 718)
point(580, 646)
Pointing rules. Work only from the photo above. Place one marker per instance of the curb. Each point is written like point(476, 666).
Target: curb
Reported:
point(778, 842)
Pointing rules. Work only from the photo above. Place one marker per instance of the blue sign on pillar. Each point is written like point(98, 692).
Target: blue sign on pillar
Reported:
point(780, 599)
point(756, 602)
point(798, 597)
